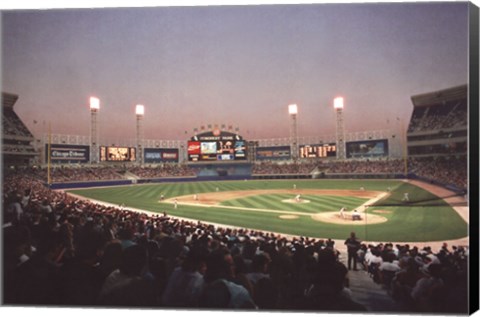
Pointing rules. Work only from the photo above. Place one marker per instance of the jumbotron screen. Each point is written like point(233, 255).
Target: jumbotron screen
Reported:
point(215, 146)
point(229, 150)
point(117, 154)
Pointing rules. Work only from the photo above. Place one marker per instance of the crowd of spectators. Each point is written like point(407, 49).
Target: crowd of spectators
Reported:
point(17, 148)
point(419, 278)
point(60, 250)
point(162, 170)
point(283, 168)
point(12, 125)
point(366, 166)
point(79, 173)
point(447, 170)
point(450, 115)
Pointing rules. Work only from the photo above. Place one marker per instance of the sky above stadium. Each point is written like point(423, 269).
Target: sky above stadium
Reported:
point(235, 65)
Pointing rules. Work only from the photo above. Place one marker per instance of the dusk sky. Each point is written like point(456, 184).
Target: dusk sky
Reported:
point(233, 65)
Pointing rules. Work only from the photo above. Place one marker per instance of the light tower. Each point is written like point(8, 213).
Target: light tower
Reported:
point(94, 108)
point(139, 111)
point(292, 111)
point(340, 135)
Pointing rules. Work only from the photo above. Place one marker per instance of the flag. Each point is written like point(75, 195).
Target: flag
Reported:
point(202, 127)
point(34, 121)
point(209, 126)
point(230, 127)
point(223, 126)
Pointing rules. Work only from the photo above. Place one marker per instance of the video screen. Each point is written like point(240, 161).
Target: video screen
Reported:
point(117, 154)
point(374, 148)
point(225, 150)
point(208, 147)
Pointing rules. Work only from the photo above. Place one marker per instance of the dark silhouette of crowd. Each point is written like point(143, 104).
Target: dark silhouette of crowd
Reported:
point(419, 278)
point(63, 251)
point(60, 250)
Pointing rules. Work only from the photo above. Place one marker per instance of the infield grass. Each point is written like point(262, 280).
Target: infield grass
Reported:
point(425, 218)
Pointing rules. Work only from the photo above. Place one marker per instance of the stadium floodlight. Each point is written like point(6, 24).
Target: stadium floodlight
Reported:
point(340, 133)
point(292, 109)
point(94, 107)
point(338, 103)
point(94, 103)
point(139, 110)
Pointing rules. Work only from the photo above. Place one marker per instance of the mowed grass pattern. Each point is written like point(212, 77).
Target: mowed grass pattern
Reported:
point(315, 203)
point(425, 218)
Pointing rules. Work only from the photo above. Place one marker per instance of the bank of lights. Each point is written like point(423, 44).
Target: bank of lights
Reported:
point(338, 103)
point(140, 110)
point(94, 103)
point(292, 109)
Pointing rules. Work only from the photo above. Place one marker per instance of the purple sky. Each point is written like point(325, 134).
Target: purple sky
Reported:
point(240, 66)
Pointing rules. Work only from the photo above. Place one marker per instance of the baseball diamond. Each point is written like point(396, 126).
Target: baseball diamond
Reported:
point(261, 205)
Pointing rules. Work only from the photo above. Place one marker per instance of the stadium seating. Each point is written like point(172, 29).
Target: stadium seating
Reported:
point(60, 250)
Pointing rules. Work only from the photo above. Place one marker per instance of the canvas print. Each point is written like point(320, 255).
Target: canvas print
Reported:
point(275, 158)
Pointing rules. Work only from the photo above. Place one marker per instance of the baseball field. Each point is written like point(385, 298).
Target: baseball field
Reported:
point(301, 207)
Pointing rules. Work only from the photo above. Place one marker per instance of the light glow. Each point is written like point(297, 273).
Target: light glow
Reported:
point(94, 103)
point(292, 109)
point(140, 110)
point(338, 103)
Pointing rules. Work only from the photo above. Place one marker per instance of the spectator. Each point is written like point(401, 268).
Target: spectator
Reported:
point(219, 292)
point(353, 245)
point(127, 286)
point(327, 290)
point(186, 282)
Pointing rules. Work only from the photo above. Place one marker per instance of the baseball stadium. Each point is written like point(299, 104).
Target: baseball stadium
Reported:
point(218, 189)
point(311, 159)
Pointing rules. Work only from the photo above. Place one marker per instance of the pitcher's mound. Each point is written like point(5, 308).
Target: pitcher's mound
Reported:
point(334, 217)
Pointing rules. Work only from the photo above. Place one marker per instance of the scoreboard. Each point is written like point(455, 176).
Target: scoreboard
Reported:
point(318, 150)
point(216, 151)
point(216, 146)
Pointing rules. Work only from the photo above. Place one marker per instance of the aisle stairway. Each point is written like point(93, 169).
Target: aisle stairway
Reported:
point(373, 296)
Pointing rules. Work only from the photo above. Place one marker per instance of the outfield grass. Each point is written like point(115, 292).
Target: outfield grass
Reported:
point(425, 218)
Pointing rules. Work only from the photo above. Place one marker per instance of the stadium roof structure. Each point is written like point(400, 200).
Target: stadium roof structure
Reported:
point(8, 100)
point(440, 96)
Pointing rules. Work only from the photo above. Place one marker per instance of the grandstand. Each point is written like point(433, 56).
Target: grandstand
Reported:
point(437, 137)
point(66, 250)
point(17, 148)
